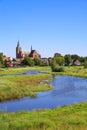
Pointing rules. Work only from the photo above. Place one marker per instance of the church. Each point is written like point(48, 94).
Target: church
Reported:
point(22, 54)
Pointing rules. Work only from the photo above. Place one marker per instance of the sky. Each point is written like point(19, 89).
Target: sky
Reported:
point(50, 26)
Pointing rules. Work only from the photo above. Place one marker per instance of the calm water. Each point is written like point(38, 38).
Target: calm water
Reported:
point(67, 90)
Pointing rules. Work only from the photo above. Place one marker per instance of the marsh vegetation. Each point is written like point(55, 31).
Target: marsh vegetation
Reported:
point(16, 87)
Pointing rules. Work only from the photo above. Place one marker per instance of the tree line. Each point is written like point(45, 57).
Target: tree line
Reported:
point(55, 62)
point(59, 61)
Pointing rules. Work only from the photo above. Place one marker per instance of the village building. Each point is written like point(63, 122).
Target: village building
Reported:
point(21, 54)
point(76, 62)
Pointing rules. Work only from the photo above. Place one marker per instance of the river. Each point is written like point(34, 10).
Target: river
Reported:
point(68, 90)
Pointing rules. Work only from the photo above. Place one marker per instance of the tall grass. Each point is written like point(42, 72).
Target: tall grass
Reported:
point(15, 87)
point(72, 117)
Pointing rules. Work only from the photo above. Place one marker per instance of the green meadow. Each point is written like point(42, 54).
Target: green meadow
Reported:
point(78, 71)
point(21, 70)
point(73, 117)
point(16, 87)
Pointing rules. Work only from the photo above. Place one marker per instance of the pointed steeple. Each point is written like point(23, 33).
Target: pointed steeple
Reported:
point(31, 48)
point(18, 44)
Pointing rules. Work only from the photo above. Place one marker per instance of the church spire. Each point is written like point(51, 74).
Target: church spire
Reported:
point(31, 48)
point(18, 44)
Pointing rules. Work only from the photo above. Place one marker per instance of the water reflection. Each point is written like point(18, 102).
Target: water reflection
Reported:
point(68, 90)
point(31, 72)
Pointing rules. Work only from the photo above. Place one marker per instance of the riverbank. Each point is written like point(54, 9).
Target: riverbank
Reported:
point(16, 87)
point(21, 70)
point(79, 71)
point(72, 117)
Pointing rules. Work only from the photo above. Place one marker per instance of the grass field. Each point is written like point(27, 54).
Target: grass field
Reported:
point(69, 70)
point(75, 71)
point(79, 71)
point(15, 87)
point(20, 70)
point(72, 117)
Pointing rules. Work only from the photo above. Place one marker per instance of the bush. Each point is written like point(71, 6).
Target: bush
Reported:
point(85, 64)
point(58, 69)
point(27, 61)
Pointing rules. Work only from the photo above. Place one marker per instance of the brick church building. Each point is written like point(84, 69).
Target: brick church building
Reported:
point(21, 54)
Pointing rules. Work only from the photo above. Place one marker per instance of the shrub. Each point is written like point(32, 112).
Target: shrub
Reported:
point(55, 66)
point(28, 61)
point(58, 69)
point(85, 64)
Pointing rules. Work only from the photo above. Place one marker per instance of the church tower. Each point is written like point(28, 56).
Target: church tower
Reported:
point(18, 51)
point(31, 48)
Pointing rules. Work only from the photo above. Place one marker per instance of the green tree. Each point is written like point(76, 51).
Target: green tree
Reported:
point(68, 59)
point(57, 63)
point(85, 64)
point(1, 60)
point(59, 60)
point(28, 61)
point(37, 61)
point(53, 64)
point(55, 67)
point(57, 54)
point(83, 59)
point(75, 57)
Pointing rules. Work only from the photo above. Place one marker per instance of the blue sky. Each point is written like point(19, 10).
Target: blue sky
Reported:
point(48, 25)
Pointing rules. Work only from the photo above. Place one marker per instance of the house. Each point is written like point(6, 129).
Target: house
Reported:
point(7, 61)
point(46, 61)
point(76, 62)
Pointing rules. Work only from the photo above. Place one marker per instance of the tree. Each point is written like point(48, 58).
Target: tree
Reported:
point(1, 60)
point(37, 61)
point(28, 61)
point(85, 64)
point(53, 64)
point(55, 67)
point(75, 57)
point(57, 54)
point(83, 59)
point(68, 59)
point(59, 60)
